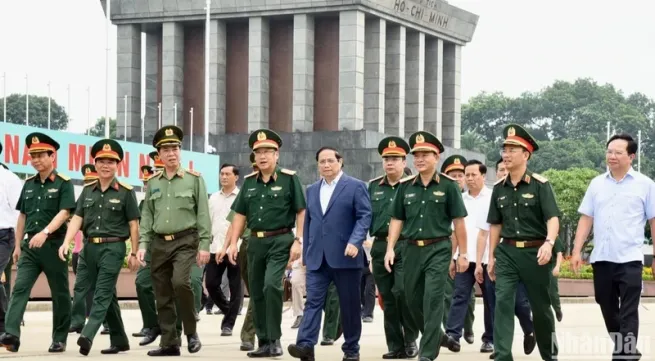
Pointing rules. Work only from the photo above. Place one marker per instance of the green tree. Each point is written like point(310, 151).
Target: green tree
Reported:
point(38, 107)
point(98, 129)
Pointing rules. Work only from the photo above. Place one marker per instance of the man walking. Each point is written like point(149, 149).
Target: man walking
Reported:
point(399, 329)
point(108, 214)
point(523, 212)
point(424, 208)
point(175, 225)
point(45, 203)
point(617, 206)
point(272, 201)
point(336, 223)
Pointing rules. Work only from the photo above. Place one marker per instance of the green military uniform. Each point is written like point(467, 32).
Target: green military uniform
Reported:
point(456, 163)
point(175, 226)
point(40, 201)
point(522, 210)
point(427, 212)
point(83, 289)
point(553, 291)
point(270, 209)
point(106, 215)
point(399, 329)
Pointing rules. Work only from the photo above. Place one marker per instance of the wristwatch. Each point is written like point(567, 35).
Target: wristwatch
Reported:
point(46, 231)
point(550, 241)
point(299, 239)
point(464, 255)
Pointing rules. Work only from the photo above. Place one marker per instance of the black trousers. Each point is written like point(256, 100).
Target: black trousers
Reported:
point(617, 288)
point(368, 293)
point(213, 279)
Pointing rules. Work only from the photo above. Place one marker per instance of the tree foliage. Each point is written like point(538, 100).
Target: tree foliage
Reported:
point(98, 129)
point(38, 107)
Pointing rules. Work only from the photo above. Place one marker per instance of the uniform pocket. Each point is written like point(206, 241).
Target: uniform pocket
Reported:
point(184, 199)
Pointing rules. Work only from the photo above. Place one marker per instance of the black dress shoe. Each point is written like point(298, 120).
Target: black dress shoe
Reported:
point(264, 350)
point(451, 344)
point(276, 349)
point(529, 342)
point(85, 345)
point(411, 350)
point(10, 342)
point(297, 322)
point(326, 341)
point(57, 347)
point(193, 343)
point(112, 350)
point(492, 356)
point(367, 319)
point(394, 355)
point(165, 351)
point(75, 329)
point(144, 331)
point(226, 331)
point(487, 347)
point(247, 346)
point(559, 315)
point(303, 353)
point(469, 337)
point(150, 337)
point(105, 331)
point(351, 357)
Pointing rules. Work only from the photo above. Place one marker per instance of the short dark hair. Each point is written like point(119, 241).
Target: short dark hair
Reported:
point(498, 162)
point(235, 170)
point(407, 171)
point(632, 145)
point(481, 167)
point(336, 152)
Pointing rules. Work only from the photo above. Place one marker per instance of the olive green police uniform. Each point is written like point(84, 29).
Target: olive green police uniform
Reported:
point(106, 215)
point(40, 201)
point(399, 329)
point(270, 209)
point(175, 225)
point(553, 291)
point(456, 163)
point(83, 289)
point(427, 212)
point(522, 210)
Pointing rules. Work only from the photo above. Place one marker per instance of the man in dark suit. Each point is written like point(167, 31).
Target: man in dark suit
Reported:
point(337, 220)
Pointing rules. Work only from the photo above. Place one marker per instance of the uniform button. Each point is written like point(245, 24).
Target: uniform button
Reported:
point(167, 221)
point(167, 208)
point(393, 187)
point(421, 216)
point(387, 223)
point(97, 227)
point(391, 199)
point(37, 209)
point(514, 204)
point(260, 207)
point(425, 189)
point(259, 219)
point(262, 196)
point(420, 229)
point(422, 201)
point(39, 198)
point(514, 189)
point(37, 222)
point(516, 218)
point(102, 195)
point(98, 217)
point(168, 195)
point(517, 232)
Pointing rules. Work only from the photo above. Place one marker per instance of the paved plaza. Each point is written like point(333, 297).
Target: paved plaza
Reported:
point(581, 337)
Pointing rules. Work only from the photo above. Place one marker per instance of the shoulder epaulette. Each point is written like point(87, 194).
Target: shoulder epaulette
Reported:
point(126, 186)
point(539, 178)
point(288, 171)
point(376, 179)
point(500, 180)
point(408, 178)
point(28, 178)
point(448, 177)
point(251, 174)
point(193, 172)
point(91, 183)
point(64, 177)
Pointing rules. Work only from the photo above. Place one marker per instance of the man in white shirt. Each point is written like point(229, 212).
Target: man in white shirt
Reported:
point(219, 207)
point(10, 185)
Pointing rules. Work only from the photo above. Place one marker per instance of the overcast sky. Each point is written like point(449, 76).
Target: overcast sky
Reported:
point(519, 45)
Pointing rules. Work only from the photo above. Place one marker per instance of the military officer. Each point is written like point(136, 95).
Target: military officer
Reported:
point(399, 329)
point(45, 204)
point(524, 214)
point(83, 290)
point(157, 162)
point(453, 167)
point(271, 201)
point(108, 214)
point(176, 228)
point(424, 208)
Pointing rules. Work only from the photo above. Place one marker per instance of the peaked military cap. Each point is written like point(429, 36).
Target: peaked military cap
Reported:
point(516, 135)
point(147, 172)
point(38, 142)
point(393, 147)
point(154, 155)
point(423, 141)
point(89, 172)
point(454, 162)
point(264, 138)
point(252, 159)
point(168, 135)
point(107, 149)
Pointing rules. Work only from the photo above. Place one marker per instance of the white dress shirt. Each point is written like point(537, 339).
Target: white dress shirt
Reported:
point(219, 208)
point(620, 210)
point(327, 189)
point(477, 209)
point(10, 188)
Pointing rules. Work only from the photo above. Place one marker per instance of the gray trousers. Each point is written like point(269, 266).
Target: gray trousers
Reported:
point(7, 242)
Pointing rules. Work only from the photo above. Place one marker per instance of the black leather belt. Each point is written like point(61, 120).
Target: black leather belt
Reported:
point(427, 242)
point(384, 238)
point(105, 239)
point(524, 243)
point(264, 234)
point(174, 236)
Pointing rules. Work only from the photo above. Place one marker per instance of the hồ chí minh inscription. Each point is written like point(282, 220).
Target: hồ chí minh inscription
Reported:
point(421, 12)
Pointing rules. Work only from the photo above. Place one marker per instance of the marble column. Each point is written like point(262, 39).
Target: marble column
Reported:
point(394, 96)
point(303, 73)
point(151, 121)
point(351, 69)
point(172, 87)
point(374, 74)
point(128, 74)
point(414, 82)
point(452, 66)
point(217, 63)
point(258, 73)
point(433, 86)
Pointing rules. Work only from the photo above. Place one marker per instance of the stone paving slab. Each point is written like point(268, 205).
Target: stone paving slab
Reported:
point(581, 337)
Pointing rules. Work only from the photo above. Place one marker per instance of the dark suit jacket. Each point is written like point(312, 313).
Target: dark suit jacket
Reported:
point(346, 220)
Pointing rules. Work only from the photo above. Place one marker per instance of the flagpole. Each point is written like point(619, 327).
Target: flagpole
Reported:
point(191, 135)
point(207, 56)
point(639, 151)
point(27, 101)
point(107, 25)
point(4, 96)
point(88, 110)
point(49, 105)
